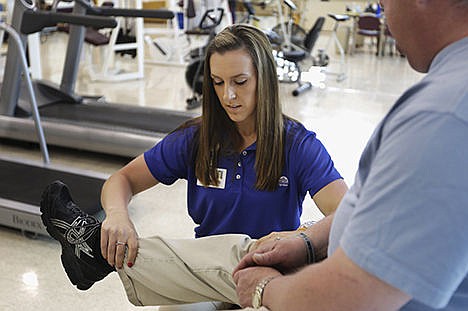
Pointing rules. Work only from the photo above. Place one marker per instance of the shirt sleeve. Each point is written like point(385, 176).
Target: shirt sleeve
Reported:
point(409, 225)
point(313, 165)
point(169, 159)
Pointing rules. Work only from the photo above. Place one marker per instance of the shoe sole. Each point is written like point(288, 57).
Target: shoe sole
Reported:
point(69, 260)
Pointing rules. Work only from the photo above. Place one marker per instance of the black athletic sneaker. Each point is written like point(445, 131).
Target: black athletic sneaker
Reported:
point(78, 233)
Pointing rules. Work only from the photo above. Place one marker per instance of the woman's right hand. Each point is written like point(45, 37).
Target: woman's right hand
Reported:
point(118, 235)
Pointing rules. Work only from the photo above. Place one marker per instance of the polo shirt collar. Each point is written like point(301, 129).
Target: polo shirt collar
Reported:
point(252, 147)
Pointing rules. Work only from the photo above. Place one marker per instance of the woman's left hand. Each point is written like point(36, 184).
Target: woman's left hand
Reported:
point(274, 236)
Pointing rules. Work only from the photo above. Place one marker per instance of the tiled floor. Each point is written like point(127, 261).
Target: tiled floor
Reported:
point(343, 115)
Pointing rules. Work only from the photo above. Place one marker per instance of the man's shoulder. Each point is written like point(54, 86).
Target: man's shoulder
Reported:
point(443, 91)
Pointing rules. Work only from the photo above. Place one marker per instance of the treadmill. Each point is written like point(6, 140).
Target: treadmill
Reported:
point(22, 182)
point(21, 186)
point(70, 120)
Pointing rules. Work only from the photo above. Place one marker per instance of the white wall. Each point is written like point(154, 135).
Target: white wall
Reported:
point(312, 9)
point(318, 8)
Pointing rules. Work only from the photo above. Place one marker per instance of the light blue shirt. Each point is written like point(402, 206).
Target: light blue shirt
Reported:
point(405, 220)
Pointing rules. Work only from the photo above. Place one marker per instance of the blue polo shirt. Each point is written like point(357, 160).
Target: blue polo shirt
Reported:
point(235, 206)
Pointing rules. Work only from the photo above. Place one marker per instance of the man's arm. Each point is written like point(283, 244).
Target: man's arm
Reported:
point(333, 284)
point(289, 252)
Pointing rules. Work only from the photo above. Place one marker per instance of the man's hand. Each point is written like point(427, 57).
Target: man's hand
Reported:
point(286, 255)
point(247, 279)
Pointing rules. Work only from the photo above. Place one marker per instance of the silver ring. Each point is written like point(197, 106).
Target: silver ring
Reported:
point(277, 238)
point(120, 243)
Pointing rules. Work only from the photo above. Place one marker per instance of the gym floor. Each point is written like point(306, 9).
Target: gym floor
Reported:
point(343, 114)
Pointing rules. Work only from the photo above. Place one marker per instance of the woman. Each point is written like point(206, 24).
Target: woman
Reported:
point(248, 166)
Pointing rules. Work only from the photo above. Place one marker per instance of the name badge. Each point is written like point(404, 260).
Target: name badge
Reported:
point(221, 175)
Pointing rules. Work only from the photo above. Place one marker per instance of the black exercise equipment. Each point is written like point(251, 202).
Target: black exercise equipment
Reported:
point(287, 35)
point(194, 72)
point(298, 55)
point(71, 120)
point(21, 183)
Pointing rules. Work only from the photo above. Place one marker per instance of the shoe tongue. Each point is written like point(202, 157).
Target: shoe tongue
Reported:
point(76, 210)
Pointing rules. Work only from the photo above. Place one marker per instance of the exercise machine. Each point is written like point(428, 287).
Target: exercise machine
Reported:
point(288, 34)
point(338, 18)
point(21, 182)
point(71, 120)
point(288, 62)
point(194, 71)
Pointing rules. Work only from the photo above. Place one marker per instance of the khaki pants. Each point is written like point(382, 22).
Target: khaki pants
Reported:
point(182, 271)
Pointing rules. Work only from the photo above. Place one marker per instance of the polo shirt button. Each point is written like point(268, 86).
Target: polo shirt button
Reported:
point(244, 152)
point(238, 176)
point(239, 164)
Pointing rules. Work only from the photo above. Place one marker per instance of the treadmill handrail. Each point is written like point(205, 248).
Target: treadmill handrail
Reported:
point(34, 21)
point(121, 12)
point(32, 96)
point(162, 14)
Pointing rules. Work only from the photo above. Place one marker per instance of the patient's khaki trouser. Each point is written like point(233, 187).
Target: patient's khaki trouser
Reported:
point(180, 271)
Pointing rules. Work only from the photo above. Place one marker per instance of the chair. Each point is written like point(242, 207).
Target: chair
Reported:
point(388, 42)
point(369, 25)
point(313, 34)
point(298, 55)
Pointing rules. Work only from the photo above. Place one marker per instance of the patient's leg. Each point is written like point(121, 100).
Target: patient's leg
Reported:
point(166, 271)
point(176, 271)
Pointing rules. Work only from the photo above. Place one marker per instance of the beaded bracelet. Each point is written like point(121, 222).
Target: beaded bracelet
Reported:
point(310, 248)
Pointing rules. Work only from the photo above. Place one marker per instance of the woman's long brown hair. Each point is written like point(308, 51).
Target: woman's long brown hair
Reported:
point(218, 133)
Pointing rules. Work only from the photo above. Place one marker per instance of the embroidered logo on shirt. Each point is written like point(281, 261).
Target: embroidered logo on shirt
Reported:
point(221, 174)
point(283, 181)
